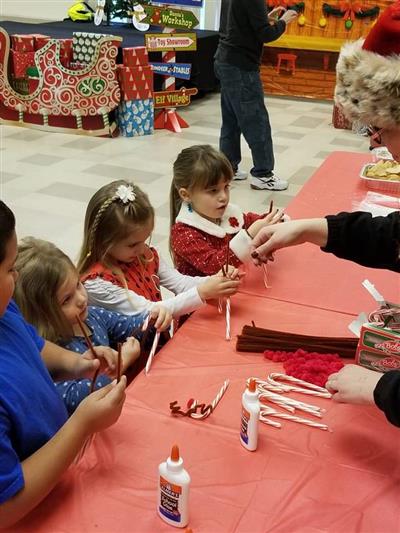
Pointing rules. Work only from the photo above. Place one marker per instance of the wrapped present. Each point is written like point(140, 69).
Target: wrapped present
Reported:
point(135, 57)
point(21, 61)
point(84, 45)
point(66, 52)
point(23, 43)
point(40, 41)
point(378, 348)
point(136, 117)
point(136, 82)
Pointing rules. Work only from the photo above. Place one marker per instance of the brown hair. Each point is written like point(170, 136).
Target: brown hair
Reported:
point(42, 268)
point(7, 228)
point(109, 220)
point(197, 167)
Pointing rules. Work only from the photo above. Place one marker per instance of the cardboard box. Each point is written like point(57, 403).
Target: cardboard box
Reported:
point(136, 117)
point(378, 348)
point(136, 82)
point(135, 56)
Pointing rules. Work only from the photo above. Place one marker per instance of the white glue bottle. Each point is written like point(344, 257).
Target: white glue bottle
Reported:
point(173, 490)
point(250, 417)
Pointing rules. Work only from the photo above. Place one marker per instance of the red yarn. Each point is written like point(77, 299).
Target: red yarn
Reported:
point(312, 367)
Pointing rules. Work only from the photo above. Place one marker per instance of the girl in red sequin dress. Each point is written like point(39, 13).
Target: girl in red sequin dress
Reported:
point(203, 222)
point(122, 273)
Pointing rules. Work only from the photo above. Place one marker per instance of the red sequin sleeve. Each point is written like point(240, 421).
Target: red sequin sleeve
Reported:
point(249, 218)
point(197, 249)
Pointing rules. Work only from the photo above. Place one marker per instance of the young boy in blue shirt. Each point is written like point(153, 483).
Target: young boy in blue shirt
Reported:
point(37, 440)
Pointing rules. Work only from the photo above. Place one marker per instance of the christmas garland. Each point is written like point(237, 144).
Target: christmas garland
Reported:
point(350, 10)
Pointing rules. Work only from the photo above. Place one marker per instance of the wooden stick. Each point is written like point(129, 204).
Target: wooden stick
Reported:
point(91, 348)
point(119, 362)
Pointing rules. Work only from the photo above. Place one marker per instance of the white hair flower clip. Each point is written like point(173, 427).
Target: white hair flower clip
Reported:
point(125, 194)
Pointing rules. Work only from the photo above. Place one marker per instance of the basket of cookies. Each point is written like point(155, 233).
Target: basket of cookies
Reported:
point(384, 176)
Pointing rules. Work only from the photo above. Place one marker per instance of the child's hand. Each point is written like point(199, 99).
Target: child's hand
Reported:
point(130, 352)
point(289, 16)
point(162, 316)
point(106, 359)
point(233, 273)
point(272, 218)
point(101, 408)
point(353, 384)
point(217, 286)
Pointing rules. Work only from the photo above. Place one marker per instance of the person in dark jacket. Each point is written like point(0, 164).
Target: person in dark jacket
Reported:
point(244, 28)
point(367, 89)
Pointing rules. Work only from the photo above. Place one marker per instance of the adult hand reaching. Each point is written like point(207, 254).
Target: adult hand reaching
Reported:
point(353, 384)
point(289, 16)
point(273, 237)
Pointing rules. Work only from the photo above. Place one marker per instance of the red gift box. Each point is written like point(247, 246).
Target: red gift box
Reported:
point(66, 52)
point(40, 41)
point(21, 61)
point(135, 57)
point(136, 82)
point(23, 43)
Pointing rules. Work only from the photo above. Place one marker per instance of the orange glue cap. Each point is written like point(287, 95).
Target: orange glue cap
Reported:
point(252, 386)
point(175, 453)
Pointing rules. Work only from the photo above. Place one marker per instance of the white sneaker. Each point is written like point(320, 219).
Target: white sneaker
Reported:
point(272, 183)
point(240, 175)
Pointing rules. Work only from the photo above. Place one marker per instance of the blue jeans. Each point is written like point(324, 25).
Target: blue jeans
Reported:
point(243, 111)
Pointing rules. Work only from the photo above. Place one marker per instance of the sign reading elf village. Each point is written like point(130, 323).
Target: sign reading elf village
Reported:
point(171, 18)
point(174, 98)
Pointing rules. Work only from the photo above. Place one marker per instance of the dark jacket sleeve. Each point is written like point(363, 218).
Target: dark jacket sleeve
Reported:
point(387, 396)
point(258, 20)
point(368, 241)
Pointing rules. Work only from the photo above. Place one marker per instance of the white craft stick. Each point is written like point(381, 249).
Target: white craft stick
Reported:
point(373, 292)
point(145, 324)
point(286, 416)
point(152, 352)
point(228, 319)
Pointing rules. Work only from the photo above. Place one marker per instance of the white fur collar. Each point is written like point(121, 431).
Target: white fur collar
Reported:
point(231, 222)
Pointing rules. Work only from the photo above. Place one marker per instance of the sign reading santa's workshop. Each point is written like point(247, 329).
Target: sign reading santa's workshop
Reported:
point(172, 18)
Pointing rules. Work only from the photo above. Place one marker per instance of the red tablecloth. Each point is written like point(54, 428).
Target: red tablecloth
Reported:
point(306, 275)
point(299, 480)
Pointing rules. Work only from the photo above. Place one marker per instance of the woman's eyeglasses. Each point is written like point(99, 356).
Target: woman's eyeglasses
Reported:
point(375, 134)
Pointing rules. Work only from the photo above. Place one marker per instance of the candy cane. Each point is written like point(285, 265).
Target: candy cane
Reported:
point(152, 352)
point(272, 423)
point(304, 388)
point(285, 416)
point(221, 392)
point(291, 405)
point(228, 319)
point(265, 271)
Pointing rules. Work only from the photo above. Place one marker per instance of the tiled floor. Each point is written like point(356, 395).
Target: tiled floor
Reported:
point(48, 178)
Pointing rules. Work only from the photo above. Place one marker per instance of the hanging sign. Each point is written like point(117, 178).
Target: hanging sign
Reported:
point(160, 42)
point(173, 98)
point(171, 18)
point(176, 70)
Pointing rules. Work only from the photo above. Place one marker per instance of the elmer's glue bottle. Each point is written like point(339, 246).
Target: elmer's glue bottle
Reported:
point(250, 417)
point(173, 490)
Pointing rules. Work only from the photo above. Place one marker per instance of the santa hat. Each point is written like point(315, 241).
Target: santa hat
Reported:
point(368, 73)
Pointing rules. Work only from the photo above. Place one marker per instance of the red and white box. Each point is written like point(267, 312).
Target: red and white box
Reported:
point(135, 56)
point(136, 82)
point(21, 61)
point(66, 52)
point(23, 43)
point(378, 348)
